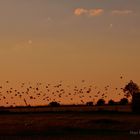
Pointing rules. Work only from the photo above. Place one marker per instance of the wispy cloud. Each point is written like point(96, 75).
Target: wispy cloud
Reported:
point(88, 12)
point(95, 12)
point(121, 12)
point(80, 11)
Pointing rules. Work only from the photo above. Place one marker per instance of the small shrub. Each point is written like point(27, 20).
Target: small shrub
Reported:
point(100, 102)
point(89, 103)
point(111, 102)
point(54, 104)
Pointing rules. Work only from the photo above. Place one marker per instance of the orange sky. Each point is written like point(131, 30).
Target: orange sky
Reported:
point(70, 41)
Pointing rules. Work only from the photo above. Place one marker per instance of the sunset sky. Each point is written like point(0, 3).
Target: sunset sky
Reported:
point(70, 40)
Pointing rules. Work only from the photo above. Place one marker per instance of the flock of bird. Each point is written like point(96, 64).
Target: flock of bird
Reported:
point(47, 93)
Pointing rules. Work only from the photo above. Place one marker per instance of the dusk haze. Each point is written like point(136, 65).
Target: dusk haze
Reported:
point(61, 57)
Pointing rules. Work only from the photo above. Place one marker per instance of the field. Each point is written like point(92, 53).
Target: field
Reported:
point(70, 123)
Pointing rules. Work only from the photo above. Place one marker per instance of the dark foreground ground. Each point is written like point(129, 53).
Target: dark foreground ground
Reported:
point(70, 125)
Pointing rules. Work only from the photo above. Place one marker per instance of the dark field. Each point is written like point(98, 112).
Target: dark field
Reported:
point(70, 123)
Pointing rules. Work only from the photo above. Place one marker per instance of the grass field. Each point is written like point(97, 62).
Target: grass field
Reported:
point(60, 123)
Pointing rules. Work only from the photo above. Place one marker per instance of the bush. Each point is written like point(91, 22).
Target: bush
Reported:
point(89, 103)
point(111, 102)
point(100, 102)
point(54, 104)
point(123, 101)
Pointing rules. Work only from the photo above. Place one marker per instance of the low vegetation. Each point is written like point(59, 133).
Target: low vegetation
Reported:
point(100, 102)
point(54, 104)
point(111, 102)
point(123, 101)
point(89, 103)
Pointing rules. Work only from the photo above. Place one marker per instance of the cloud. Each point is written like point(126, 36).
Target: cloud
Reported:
point(95, 12)
point(121, 12)
point(80, 11)
point(90, 12)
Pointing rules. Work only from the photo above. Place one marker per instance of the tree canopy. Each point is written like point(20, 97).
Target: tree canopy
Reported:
point(131, 88)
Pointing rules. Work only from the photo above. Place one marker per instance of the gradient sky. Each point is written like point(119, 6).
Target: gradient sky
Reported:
point(49, 40)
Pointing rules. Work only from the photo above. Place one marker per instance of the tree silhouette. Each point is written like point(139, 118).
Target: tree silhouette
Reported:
point(123, 101)
point(54, 104)
point(130, 89)
point(111, 102)
point(136, 102)
point(89, 103)
point(101, 102)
